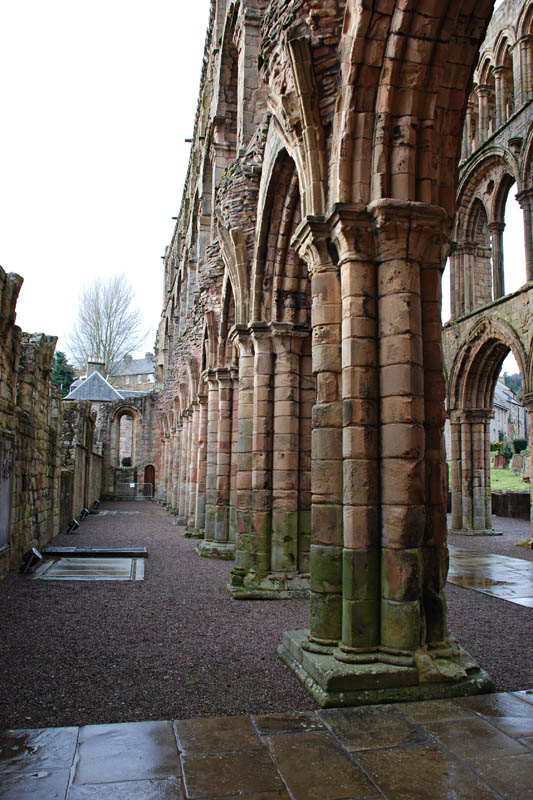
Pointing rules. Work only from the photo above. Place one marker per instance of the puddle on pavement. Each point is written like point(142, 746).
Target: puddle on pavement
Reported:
point(91, 569)
point(500, 576)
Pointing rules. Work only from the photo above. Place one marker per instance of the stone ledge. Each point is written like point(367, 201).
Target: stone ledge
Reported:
point(210, 549)
point(474, 532)
point(269, 586)
point(333, 683)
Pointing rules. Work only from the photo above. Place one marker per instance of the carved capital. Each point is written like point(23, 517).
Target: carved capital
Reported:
point(411, 231)
point(351, 229)
point(311, 243)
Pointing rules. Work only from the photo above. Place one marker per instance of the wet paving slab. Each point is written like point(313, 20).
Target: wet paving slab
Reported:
point(477, 747)
point(499, 576)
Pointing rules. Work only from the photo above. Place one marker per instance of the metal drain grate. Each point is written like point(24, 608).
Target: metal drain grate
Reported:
point(91, 569)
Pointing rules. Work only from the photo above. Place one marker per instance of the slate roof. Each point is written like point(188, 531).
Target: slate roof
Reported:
point(95, 388)
point(134, 366)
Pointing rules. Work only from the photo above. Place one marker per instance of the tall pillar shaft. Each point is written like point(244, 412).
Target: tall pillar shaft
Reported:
point(211, 460)
point(285, 450)
point(201, 464)
point(498, 286)
point(243, 541)
point(525, 198)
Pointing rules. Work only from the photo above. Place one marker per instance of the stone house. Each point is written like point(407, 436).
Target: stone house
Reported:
point(134, 373)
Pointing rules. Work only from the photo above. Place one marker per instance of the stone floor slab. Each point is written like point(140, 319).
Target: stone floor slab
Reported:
point(287, 723)
point(499, 576)
point(422, 773)
point(230, 774)
point(372, 727)
point(499, 704)
point(158, 789)
point(45, 784)
point(512, 776)
point(434, 710)
point(26, 750)
point(126, 751)
point(216, 735)
point(474, 738)
point(314, 767)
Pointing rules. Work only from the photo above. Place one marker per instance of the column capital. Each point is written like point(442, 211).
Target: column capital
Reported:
point(209, 376)
point(527, 402)
point(311, 241)
point(286, 338)
point(351, 229)
point(261, 337)
point(496, 227)
point(239, 336)
point(224, 376)
point(525, 197)
point(411, 230)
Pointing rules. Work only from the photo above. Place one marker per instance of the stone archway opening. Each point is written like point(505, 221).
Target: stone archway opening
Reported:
point(472, 412)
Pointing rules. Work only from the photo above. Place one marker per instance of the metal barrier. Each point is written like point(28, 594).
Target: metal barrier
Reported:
point(134, 491)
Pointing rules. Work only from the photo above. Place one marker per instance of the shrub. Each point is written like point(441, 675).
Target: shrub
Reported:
point(507, 452)
point(519, 445)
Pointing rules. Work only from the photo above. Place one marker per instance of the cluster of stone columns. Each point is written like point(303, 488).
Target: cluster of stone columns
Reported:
point(378, 546)
point(470, 472)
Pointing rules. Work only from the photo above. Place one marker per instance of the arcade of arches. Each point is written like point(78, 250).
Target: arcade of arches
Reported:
point(300, 363)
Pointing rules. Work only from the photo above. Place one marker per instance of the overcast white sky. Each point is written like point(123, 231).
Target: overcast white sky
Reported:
point(97, 99)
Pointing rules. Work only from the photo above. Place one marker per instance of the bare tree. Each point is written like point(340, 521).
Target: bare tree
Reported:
point(108, 327)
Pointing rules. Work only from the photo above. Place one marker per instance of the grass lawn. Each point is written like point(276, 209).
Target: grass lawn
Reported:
point(504, 479)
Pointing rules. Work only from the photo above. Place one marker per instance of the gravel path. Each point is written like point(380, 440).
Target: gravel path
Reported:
point(176, 646)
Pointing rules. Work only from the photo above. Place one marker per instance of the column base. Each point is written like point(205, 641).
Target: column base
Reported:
point(475, 531)
point(194, 533)
point(207, 548)
point(333, 683)
point(267, 586)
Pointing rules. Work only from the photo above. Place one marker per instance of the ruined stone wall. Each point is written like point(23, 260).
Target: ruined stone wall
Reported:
point(486, 321)
point(300, 387)
point(44, 480)
point(30, 429)
point(81, 460)
point(107, 436)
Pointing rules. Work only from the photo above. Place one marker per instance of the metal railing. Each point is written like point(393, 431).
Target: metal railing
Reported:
point(134, 491)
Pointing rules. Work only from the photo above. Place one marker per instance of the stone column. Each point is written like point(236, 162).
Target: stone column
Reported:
point(285, 450)
point(216, 544)
point(211, 458)
point(526, 70)
point(177, 438)
point(527, 400)
point(261, 522)
point(471, 512)
point(311, 240)
point(393, 533)
point(525, 198)
point(466, 149)
point(353, 236)
point(498, 285)
point(483, 93)
point(193, 466)
point(234, 463)
point(201, 456)
point(243, 540)
point(184, 474)
point(455, 469)
point(499, 95)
